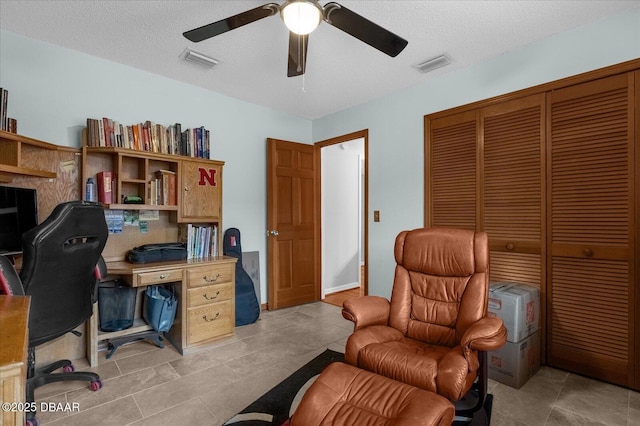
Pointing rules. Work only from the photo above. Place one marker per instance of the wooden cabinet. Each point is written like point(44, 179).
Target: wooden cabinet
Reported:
point(134, 174)
point(209, 302)
point(206, 301)
point(14, 335)
point(205, 287)
point(23, 156)
point(200, 191)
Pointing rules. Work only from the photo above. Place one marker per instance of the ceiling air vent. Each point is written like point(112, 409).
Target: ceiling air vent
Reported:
point(433, 63)
point(198, 58)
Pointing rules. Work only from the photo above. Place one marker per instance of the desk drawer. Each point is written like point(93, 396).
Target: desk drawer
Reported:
point(214, 274)
point(159, 277)
point(209, 294)
point(209, 321)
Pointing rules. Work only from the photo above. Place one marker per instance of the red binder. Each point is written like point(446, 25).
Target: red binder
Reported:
point(105, 189)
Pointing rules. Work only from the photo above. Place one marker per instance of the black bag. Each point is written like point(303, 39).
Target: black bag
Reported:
point(117, 305)
point(157, 253)
point(247, 306)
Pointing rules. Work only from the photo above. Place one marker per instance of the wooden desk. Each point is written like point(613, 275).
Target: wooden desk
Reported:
point(14, 335)
point(206, 301)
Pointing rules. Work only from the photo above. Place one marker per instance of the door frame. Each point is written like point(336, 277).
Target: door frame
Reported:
point(361, 134)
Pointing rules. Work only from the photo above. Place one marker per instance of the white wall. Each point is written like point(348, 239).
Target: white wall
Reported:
point(395, 122)
point(53, 90)
point(341, 215)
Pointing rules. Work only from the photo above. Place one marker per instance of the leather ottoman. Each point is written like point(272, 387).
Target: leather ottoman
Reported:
point(344, 395)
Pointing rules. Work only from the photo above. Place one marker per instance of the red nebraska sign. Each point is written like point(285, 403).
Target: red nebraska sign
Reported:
point(207, 177)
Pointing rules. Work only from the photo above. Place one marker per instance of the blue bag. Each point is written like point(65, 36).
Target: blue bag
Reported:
point(160, 306)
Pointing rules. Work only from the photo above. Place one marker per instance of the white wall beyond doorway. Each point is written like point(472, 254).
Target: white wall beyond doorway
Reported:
point(342, 215)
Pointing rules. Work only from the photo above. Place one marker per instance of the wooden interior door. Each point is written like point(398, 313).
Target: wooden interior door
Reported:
point(590, 190)
point(292, 252)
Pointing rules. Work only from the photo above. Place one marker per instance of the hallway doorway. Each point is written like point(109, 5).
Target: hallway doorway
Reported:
point(343, 171)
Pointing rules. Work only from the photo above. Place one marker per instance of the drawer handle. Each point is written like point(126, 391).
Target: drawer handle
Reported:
point(588, 252)
point(162, 276)
point(211, 280)
point(204, 317)
point(510, 246)
point(211, 298)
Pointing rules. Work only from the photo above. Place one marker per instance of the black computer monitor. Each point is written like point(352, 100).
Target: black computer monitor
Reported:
point(18, 214)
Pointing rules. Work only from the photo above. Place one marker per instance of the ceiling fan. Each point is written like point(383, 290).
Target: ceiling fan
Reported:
point(302, 17)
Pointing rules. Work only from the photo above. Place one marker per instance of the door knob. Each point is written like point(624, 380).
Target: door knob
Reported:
point(273, 232)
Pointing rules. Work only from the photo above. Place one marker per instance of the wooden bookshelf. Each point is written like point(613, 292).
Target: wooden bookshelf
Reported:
point(21, 155)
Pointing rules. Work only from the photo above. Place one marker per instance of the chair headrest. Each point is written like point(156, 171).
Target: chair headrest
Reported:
point(443, 251)
point(73, 231)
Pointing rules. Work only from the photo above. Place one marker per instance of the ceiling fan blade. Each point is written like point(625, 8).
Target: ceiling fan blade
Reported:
point(363, 29)
point(232, 22)
point(298, 45)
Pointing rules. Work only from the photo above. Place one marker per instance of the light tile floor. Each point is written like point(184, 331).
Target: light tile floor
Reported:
point(145, 385)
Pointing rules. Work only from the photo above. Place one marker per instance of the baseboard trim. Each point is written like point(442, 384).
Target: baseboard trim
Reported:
point(343, 287)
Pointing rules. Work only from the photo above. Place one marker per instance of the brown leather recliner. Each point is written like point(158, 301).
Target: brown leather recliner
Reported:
point(431, 333)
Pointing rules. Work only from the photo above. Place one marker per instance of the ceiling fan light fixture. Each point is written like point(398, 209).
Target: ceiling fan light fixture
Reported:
point(432, 64)
point(301, 16)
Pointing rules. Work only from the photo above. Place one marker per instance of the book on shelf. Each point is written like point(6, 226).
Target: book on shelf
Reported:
point(12, 125)
point(150, 137)
point(201, 240)
point(4, 101)
point(166, 182)
point(105, 187)
point(101, 137)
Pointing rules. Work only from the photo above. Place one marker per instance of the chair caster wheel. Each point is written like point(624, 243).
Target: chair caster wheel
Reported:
point(32, 422)
point(68, 368)
point(96, 385)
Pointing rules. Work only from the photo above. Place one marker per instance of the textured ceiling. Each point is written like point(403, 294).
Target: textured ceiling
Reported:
point(341, 70)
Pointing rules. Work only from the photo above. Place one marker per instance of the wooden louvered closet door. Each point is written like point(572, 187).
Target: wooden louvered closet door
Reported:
point(451, 179)
point(513, 189)
point(590, 191)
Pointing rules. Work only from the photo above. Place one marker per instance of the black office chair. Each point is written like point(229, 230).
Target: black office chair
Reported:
point(59, 267)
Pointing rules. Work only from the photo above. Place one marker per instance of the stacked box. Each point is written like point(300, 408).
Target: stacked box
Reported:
point(518, 305)
point(515, 363)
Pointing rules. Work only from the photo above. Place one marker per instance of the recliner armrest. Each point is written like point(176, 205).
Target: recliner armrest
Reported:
point(366, 311)
point(488, 334)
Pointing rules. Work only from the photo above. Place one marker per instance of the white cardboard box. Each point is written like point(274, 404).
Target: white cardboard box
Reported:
point(518, 306)
point(515, 363)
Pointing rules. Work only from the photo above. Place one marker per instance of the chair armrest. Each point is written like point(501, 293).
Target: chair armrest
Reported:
point(488, 334)
point(454, 376)
point(366, 311)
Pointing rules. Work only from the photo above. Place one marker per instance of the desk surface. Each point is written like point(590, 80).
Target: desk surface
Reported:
point(127, 268)
point(14, 322)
